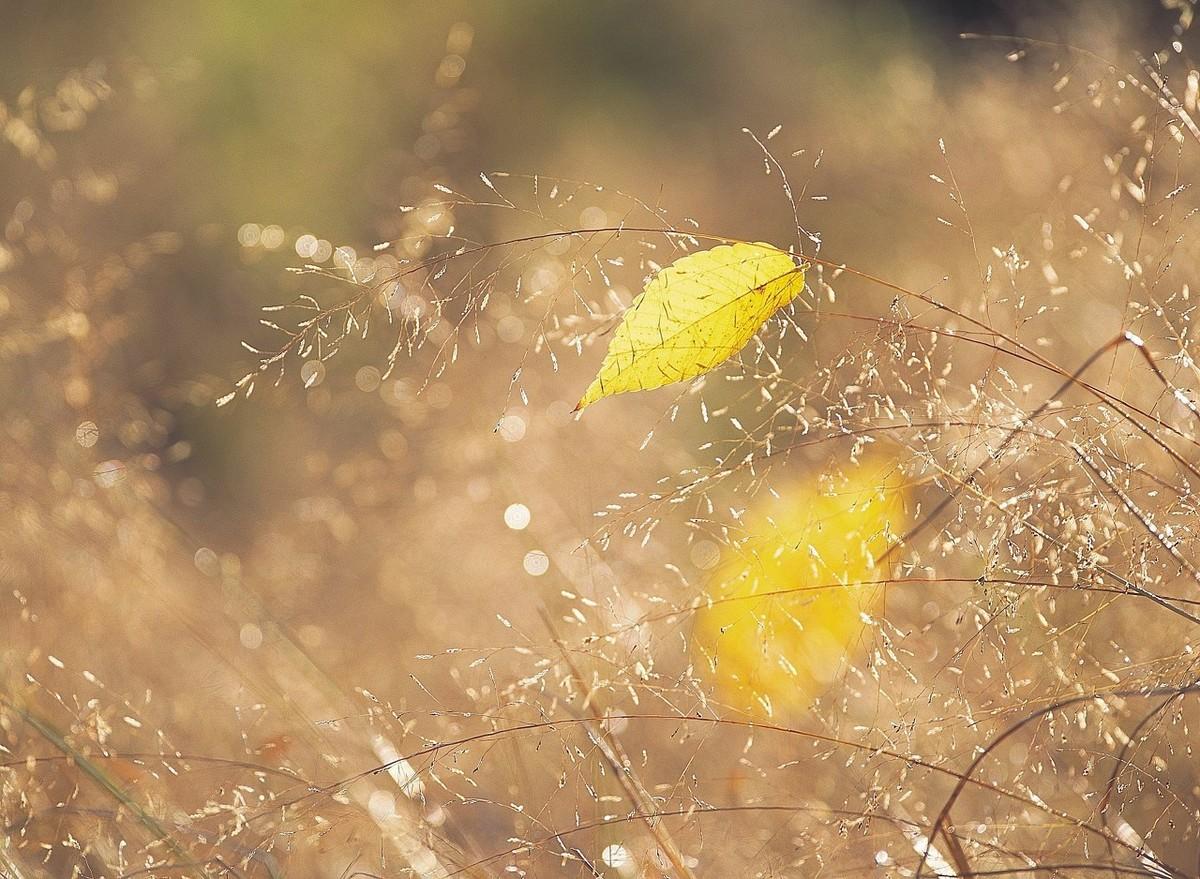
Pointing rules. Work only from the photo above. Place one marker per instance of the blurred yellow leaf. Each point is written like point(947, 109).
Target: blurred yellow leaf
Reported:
point(694, 315)
point(787, 607)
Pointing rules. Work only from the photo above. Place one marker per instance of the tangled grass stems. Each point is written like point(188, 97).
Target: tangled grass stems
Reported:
point(1170, 694)
point(962, 779)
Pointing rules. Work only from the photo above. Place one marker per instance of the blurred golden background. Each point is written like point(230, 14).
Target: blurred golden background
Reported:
point(217, 621)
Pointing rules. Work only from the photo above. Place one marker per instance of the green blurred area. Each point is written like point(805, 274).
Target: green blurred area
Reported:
point(295, 111)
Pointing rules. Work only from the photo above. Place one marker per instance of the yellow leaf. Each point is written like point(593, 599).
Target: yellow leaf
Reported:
point(694, 315)
point(786, 615)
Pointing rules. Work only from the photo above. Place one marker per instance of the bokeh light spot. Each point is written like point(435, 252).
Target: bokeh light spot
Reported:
point(516, 517)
